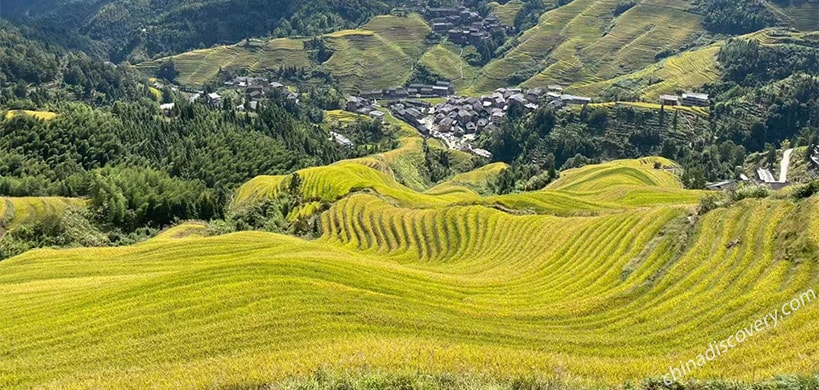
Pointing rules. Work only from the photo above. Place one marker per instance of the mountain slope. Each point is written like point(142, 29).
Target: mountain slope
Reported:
point(380, 54)
point(585, 41)
point(444, 288)
point(127, 29)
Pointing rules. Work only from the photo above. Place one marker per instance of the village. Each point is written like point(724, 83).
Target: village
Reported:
point(459, 120)
point(462, 25)
point(251, 91)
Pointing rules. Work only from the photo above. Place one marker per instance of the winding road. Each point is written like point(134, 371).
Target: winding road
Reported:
point(783, 166)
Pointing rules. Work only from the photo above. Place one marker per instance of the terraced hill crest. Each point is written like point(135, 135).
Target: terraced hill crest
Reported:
point(404, 278)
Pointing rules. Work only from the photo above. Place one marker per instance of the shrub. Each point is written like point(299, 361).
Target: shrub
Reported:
point(806, 190)
point(749, 191)
point(623, 6)
point(708, 203)
point(72, 228)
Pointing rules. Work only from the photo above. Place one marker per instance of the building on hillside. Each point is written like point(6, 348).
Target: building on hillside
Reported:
point(533, 95)
point(214, 100)
point(441, 27)
point(482, 153)
point(353, 103)
point(723, 185)
point(669, 100)
point(518, 101)
point(497, 116)
point(445, 125)
point(377, 116)
point(341, 139)
point(292, 98)
point(440, 91)
point(695, 99)
point(193, 98)
point(572, 99)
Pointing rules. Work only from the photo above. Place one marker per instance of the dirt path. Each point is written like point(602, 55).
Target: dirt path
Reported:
point(783, 166)
point(462, 63)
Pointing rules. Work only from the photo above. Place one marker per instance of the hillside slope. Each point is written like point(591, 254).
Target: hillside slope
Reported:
point(585, 41)
point(380, 54)
point(134, 29)
point(420, 281)
point(24, 210)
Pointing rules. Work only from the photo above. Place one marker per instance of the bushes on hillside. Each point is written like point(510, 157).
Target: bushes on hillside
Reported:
point(749, 191)
point(716, 200)
point(71, 228)
point(805, 190)
point(735, 17)
point(279, 214)
point(130, 198)
point(623, 6)
point(578, 161)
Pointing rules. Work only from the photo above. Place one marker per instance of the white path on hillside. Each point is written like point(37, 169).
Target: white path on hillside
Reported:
point(783, 166)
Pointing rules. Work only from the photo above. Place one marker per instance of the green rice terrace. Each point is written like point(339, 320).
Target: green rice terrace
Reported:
point(606, 276)
point(265, 200)
point(582, 45)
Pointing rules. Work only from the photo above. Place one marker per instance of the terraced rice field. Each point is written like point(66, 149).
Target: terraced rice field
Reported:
point(507, 12)
point(625, 184)
point(381, 54)
point(403, 280)
point(18, 211)
point(200, 66)
point(44, 115)
point(685, 71)
point(701, 111)
point(446, 60)
point(584, 42)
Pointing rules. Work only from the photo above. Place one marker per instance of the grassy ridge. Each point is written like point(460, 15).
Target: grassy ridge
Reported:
point(619, 185)
point(18, 211)
point(589, 300)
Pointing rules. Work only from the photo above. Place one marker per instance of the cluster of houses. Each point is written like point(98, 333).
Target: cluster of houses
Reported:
point(459, 119)
point(687, 99)
point(413, 112)
point(462, 25)
point(473, 115)
point(439, 89)
point(253, 89)
point(363, 106)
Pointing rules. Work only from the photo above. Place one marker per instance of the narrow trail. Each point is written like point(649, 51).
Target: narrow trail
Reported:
point(783, 166)
point(462, 63)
